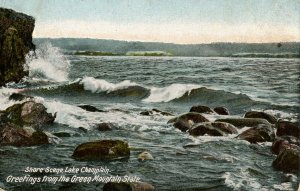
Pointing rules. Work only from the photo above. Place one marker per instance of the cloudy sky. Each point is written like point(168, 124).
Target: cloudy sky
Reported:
point(178, 21)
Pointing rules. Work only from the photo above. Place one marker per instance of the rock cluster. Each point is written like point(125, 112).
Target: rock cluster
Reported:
point(15, 42)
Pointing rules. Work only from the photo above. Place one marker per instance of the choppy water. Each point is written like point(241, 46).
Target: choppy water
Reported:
point(125, 86)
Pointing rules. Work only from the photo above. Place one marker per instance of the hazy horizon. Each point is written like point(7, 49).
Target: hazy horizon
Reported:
point(179, 22)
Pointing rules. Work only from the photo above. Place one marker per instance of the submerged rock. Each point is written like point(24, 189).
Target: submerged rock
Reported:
point(288, 161)
point(262, 115)
point(221, 111)
point(90, 108)
point(213, 129)
point(125, 186)
point(156, 111)
point(15, 42)
point(244, 122)
point(105, 127)
point(201, 109)
point(288, 128)
point(29, 113)
point(19, 97)
point(145, 156)
point(102, 150)
point(261, 133)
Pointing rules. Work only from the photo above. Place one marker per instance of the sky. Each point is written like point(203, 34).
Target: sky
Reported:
point(175, 21)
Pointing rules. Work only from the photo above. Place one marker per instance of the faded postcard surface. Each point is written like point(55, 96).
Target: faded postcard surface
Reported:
point(149, 95)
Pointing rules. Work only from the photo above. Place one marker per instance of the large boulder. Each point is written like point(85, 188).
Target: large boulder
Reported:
point(19, 97)
point(29, 113)
point(288, 161)
point(126, 186)
point(258, 114)
point(201, 109)
point(15, 42)
point(11, 134)
point(102, 150)
point(213, 129)
point(261, 133)
point(287, 128)
point(244, 122)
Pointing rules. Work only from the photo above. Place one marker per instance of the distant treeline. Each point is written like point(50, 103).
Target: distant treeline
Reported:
point(115, 47)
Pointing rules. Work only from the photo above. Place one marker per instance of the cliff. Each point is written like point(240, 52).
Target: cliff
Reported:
point(15, 42)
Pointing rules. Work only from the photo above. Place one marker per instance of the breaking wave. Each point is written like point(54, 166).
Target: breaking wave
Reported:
point(48, 62)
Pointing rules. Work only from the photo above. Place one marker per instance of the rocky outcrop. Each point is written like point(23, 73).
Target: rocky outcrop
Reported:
point(19, 125)
point(15, 42)
point(262, 115)
point(261, 133)
point(29, 113)
point(102, 150)
point(213, 129)
point(125, 186)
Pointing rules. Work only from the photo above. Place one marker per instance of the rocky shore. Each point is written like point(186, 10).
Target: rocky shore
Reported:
point(24, 123)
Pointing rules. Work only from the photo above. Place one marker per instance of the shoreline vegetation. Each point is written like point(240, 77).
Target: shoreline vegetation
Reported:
point(101, 47)
point(166, 54)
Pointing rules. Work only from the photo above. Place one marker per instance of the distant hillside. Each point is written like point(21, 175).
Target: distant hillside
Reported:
point(289, 49)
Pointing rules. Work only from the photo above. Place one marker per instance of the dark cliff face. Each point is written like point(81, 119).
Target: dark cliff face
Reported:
point(15, 42)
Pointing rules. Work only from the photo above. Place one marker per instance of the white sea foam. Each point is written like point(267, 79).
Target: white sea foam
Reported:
point(99, 85)
point(48, 62)
point(169, 93)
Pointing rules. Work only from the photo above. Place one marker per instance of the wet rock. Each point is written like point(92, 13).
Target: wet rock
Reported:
point(90, 108)
point(102, 150)
point(62, 134)
point(260, 133)
point(191, 116)
point(291, 139)
point(105, 127)
point(183, 125)
point(156, 111)
point(221, 111)
point(19, 97)
point(186, 121)
point(11, 134)
point(201, 109)
point(280, 144)
point(213, 129)
point(288, 161)
point(262, 115)
point(29, 113)
point(15, 42)
point(244, 122)
point(83, 129)
point(288, 128)
point(145, 156)
point(124, 186)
